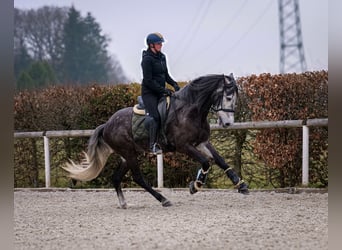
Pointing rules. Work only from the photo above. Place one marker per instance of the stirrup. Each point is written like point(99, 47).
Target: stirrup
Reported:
point(156, 149)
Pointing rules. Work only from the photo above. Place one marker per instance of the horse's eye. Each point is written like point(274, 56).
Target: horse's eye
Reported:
point(228, 98)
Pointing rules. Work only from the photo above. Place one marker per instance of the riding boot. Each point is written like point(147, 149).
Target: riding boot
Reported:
point(153, 129)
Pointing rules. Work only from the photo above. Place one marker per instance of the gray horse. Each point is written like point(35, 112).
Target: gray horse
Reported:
point(185, 129)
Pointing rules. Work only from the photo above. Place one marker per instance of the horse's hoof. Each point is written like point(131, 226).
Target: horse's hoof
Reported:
point(192, 188)
point(243, 189)
point(166, 203)
point(123, 206)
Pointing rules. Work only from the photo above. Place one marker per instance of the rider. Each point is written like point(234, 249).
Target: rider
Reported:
point(155, 74)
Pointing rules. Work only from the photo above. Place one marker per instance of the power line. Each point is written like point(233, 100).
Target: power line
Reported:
point(190, 35)
point(244, 35)
point(220, 34)
point(186, 33)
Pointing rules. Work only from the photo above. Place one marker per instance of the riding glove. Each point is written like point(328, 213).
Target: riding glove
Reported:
point(167, 92)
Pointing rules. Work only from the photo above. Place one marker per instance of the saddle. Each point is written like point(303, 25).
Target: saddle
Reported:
point(139, 130)
point(139, 109)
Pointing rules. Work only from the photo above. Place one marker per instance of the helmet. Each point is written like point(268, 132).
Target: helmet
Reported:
point(154, 38)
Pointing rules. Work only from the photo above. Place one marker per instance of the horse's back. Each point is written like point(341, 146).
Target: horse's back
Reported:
point(120, 119)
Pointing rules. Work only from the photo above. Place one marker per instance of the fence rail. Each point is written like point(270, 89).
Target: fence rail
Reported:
point(305, 124)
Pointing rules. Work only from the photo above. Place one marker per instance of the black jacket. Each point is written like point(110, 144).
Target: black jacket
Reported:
point(155, 73)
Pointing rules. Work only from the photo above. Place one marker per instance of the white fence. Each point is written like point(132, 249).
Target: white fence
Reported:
point(305, 124)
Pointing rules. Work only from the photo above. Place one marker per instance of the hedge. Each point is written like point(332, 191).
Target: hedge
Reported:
point(265, 158)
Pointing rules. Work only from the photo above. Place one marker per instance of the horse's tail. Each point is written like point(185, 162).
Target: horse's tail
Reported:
point(95, 159)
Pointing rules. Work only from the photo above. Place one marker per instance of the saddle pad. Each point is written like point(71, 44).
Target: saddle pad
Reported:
point(138, 127)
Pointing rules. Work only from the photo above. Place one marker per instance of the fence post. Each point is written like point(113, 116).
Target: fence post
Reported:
point(305, 160)
point(47, 161)
point(160, 170)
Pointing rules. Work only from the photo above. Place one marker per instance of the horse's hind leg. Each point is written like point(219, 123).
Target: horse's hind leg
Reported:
point(117, 178)
point(139, 179)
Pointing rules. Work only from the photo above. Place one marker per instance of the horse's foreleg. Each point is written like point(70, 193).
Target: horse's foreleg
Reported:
point(237, 181)
point(201, 155)
point(117, 178)
point(139, 179)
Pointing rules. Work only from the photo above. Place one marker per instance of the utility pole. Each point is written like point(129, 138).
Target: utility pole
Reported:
point(291, 43)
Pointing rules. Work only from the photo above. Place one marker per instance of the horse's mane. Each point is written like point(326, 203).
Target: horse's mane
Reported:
point(198, 90)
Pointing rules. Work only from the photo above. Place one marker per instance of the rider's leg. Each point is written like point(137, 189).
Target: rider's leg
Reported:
point(153, 130)
point(152, 121)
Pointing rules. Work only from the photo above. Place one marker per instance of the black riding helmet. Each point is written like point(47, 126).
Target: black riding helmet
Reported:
point(154, 38)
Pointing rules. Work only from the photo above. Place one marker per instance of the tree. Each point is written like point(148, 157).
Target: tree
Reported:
point(115, 72)
point(73, 46)
point(85, 56)
point(24, 81)
point(22, 59)
point(39, 74)
point(42, 31)
point(72, 40)
point(95, 47)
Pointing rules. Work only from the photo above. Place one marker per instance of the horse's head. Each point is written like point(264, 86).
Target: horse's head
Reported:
point(216, 92)
point(225, 100)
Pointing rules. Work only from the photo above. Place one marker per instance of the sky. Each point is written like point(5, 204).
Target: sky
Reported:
point(203, 36)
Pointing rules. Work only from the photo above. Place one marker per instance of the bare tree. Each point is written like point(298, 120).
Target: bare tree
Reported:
point(43, 31)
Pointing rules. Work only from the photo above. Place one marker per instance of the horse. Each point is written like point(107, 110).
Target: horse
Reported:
point(186, 130)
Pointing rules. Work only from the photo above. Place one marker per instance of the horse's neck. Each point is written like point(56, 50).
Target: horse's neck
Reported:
point(189, 99)
point(204, 105)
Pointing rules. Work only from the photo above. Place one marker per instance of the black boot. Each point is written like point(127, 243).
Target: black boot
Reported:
point(153, 129)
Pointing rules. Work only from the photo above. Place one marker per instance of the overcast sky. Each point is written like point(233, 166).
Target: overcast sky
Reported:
point(203, 36)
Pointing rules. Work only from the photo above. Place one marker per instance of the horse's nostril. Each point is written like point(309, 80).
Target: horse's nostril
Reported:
point(226, 124)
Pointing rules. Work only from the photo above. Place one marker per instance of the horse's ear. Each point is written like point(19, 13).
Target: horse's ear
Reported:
point(231, 76)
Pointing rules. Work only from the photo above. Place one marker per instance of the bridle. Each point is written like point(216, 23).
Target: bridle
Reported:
point(227, 90)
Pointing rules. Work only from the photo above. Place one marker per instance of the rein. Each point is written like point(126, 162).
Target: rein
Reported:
point(173, 105)
point(230, 91)
point(222, 109)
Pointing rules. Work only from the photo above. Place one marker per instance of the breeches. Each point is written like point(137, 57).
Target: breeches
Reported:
point(151, 106)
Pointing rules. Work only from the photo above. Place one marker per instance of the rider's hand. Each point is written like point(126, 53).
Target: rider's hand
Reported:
point(176, 87)
point(167, 92)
